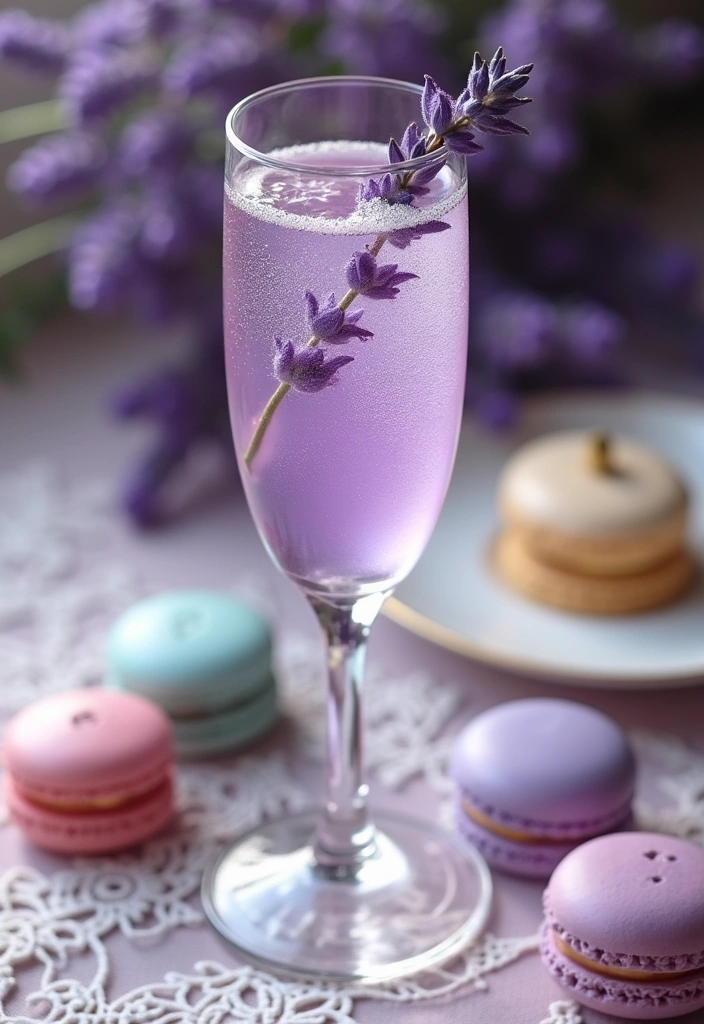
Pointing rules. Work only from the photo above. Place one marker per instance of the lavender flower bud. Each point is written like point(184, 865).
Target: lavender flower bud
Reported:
point(306, 369)
point(365, 276)
point(389, 188)
point(99, 83)
point(157, 141)
point(110, 23)
point(413, 143)
point(497, 65)
point(216, 64)
point(103, 257)
point(462, 140)
point(126, 22)
point(57, 166)
point(396, 156)
point(591, 331)
point(36, 43)
point(163, 17)
point(478, 81)
point(437, 107)
point(491, 93)
point(329, 323)
point(165, 232)
point(326, 321)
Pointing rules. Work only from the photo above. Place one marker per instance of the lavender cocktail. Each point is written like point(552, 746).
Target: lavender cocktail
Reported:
point(348, 482)
point(346, 283)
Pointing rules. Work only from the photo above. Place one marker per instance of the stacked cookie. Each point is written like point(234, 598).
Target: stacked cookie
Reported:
point(593, 524)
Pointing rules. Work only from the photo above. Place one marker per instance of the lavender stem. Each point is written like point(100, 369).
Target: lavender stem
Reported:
point(283, 389)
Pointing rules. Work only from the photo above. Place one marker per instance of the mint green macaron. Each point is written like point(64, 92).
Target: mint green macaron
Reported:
point(206, 659)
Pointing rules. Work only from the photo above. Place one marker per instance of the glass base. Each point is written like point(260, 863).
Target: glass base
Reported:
point(421, 898)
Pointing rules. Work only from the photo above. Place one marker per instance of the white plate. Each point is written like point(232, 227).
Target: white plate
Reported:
point(452, 597)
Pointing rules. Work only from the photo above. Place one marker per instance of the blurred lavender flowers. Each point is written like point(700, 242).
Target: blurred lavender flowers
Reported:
point(144, 86)
point(565, 278)
point(33, 43)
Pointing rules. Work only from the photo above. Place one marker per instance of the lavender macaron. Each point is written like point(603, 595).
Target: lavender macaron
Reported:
point(534, 778)
point(624, 925)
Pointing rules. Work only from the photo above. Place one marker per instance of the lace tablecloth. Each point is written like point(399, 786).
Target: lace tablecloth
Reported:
point(122, 940)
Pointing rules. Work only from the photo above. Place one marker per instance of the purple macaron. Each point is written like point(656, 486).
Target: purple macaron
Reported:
point(624, 925)
point(537, 777)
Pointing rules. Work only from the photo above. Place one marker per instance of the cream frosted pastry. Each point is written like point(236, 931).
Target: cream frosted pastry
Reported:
point(594, 504)
point(593, 523)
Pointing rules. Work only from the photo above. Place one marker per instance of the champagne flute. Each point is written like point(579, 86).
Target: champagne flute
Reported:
point(346, 334)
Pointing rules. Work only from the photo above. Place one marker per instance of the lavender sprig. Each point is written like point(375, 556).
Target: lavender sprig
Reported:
point(332, 324)
point(481, 106)
point(366, 277)
point(307, 369)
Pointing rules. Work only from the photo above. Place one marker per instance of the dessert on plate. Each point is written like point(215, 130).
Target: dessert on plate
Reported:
point(593, 524)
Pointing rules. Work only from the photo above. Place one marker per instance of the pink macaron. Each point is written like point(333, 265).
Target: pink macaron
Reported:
point(624, 925)
point(89, 771)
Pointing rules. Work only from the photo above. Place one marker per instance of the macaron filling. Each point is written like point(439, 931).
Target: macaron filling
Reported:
point(515, 835)
point(195, 712)
point(525, 830)
point(612, 971)
point(583, 953)
point(96, 803)
point(662, 996)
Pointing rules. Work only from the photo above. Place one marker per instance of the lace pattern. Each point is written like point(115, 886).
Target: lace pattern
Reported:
point(61, 584)
point(56, 601)
point(563, 1012)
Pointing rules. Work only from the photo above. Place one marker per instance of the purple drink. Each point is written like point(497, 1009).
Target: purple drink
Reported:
point(348, 483)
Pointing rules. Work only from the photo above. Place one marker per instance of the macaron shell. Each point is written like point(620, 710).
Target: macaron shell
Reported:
point(544, 763)
point(632, 894)
point(88, 744)
point(629, 1000)
point(91, 832)
point(192, 652)
point(530, 860)
point(226, 731)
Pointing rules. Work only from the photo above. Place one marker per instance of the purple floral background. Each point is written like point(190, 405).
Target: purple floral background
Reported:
point(564, 278)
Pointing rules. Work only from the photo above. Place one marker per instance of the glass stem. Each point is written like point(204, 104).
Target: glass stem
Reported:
point(345, 836)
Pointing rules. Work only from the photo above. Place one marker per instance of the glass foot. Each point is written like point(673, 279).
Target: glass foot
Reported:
point(418, 900)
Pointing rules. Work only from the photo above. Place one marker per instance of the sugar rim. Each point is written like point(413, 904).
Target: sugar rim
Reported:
point(375, 216)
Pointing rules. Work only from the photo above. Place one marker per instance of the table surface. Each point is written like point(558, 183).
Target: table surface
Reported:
point(58, 418)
